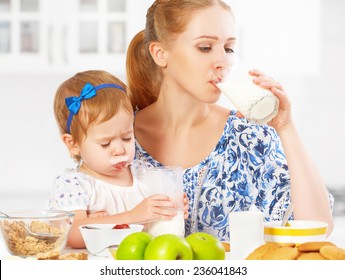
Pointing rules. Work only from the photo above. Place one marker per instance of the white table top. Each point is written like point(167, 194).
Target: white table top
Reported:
point(105, 255)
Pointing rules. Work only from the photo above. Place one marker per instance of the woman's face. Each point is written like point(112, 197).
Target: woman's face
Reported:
point(202, 55)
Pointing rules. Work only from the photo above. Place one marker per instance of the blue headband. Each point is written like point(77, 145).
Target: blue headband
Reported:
point(73, 103)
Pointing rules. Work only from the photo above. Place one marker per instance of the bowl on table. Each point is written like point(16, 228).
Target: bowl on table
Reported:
point(99, 237)
point(298, 231)
point(28, 233)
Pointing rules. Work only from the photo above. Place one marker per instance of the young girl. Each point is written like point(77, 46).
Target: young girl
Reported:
point(173, 67)
point(95, 120)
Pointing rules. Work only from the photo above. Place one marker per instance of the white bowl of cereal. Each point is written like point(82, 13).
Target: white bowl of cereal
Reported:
point(43, 224)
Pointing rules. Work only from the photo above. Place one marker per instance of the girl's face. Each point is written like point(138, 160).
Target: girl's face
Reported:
point(109, 148)
point(202, 55)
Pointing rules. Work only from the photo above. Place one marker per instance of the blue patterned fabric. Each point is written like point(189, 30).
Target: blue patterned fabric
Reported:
point(247, 166)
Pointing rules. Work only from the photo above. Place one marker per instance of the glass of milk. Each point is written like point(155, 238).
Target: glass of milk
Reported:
point(256, 104)
point(246, 233)
point(166, 180)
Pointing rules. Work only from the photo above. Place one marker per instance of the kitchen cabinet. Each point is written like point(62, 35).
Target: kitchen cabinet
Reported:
point(67, 35)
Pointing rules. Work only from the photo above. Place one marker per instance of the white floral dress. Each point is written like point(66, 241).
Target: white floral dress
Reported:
point(75, 190)
point(247, 166)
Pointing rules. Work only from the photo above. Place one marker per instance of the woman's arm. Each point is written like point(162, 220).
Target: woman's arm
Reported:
point(309, 195)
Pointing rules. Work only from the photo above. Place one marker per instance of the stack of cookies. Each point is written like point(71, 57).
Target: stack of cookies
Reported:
point(321, 250)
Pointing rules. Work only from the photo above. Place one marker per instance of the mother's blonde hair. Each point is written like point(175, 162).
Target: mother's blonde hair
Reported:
point(164, 20)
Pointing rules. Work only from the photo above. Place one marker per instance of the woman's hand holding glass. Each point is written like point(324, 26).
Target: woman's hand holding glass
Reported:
point(283, 118)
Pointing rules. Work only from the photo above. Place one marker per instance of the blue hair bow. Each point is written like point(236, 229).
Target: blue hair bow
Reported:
point(73, 103)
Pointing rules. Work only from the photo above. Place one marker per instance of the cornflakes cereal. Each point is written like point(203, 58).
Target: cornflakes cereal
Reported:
point(55, 255)
point(20, 243)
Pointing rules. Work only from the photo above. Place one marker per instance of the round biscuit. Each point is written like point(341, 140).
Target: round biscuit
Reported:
point(259, 252)
point(292, 245)
point(281, 253)
point(313, 246)
point(226, 246)
point(310, 256)
point(332, 252)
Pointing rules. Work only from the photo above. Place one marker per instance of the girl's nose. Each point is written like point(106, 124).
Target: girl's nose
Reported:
point(118, 150)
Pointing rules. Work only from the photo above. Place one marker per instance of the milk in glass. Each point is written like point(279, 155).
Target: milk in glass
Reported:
point(167, 180)
point(174, 226)
point(246, 233)
point(257, 104)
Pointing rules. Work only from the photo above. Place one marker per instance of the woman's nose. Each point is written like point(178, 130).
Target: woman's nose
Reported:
point(223, 62)
point(222, 66)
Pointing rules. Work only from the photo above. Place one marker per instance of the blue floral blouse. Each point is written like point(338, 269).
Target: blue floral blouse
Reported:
point(247, 166)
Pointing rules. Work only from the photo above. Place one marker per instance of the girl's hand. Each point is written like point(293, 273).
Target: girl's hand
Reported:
point(185, 206)
point(155, 207)
point(283, 118)
point(97, 214)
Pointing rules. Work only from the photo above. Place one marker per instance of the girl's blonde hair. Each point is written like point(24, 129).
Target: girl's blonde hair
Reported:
point(97, 109)
point(165, 19)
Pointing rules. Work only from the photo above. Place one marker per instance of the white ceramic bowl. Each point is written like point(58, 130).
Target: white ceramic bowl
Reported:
point(296, 232)
point(98, 240)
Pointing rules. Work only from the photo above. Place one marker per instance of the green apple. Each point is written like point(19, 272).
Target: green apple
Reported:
point(168, 247)
point(205, 246)
point(133, 246)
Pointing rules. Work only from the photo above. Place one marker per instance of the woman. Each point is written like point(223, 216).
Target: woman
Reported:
point(173, 67)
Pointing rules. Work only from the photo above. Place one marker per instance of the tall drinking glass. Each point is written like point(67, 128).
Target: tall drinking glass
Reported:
point(256, 104)
point(166, 180)
point(246, 233)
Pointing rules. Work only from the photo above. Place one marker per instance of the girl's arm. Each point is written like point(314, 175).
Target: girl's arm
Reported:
point(151, 208)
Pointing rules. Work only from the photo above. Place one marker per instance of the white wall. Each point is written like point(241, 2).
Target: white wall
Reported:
point(302, 47)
